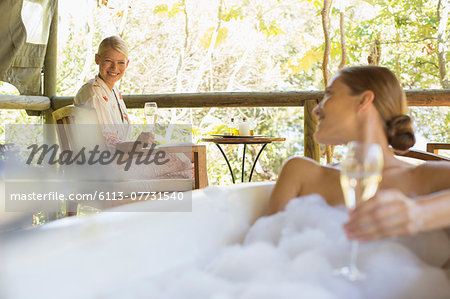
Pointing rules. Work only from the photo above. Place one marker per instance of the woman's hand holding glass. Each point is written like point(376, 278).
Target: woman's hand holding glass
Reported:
point(389, 213)
point(360, 175)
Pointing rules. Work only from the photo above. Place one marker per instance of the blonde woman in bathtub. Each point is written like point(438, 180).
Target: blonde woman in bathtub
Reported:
point(367, 103)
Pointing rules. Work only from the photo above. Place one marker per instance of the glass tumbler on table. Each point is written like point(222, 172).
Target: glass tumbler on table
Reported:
point(360, 175)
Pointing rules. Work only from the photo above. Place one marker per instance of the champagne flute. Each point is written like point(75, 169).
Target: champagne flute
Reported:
point(151, 112)
point(360, 175)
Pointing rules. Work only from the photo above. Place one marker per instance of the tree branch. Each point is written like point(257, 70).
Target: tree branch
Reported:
point(442, 18)
point(183, 51)
point(408, 41)
point(237, 68)
point(326, 32)
point(203, 63)
point(326, 54)
point(343, 45)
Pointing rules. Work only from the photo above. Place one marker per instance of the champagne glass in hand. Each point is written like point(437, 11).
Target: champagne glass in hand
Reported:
point(151, 112)
point(360, 175)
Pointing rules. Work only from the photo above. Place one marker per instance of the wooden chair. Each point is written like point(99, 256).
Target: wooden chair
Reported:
point(421, 155)
point(434, 147)
point(70, 139)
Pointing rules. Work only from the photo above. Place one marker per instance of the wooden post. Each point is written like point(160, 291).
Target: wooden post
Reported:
point(50, 73)
point(312, 149)
point(200, 167)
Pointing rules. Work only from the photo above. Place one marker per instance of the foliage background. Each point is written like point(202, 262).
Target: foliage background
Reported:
point(249, 45)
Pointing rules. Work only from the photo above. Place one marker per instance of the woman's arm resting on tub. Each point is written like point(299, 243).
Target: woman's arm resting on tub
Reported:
point(390, 213)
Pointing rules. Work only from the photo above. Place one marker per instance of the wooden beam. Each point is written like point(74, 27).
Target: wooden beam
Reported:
point(213, 99)
point(35, 103)
point(224, 99)
point(433, 97)
point(437, 97)
point(428, 97)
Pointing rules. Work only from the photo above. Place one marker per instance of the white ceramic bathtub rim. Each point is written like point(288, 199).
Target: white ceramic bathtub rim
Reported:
point(83, 257)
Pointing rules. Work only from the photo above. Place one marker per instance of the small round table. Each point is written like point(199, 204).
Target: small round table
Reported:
point(242, 140)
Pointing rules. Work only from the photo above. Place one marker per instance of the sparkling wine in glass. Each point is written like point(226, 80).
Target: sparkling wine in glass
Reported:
point(151, 112)
point(360, 175)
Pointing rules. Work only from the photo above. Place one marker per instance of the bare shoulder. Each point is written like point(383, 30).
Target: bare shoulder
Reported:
point(437, 173)
point(299, 165)
point(437, 167)
point(307, 171)
point(299, 176)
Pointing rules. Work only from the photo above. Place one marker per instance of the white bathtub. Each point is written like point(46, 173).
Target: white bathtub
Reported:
point(198, 254)
point(87, 257)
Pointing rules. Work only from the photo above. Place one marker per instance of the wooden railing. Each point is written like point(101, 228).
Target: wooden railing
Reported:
point(307, 99)
point(428, 97)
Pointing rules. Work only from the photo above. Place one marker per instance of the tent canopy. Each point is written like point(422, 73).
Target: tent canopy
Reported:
point(24, 34)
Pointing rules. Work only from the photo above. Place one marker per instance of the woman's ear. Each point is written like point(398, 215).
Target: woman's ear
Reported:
point(365, 99)
point(128, 61)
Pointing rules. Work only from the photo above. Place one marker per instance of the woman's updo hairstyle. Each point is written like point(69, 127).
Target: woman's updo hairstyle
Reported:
point(390, 101)
point(113, 42)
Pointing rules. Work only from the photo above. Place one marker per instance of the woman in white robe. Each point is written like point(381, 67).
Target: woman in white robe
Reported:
point(102, 94)
point(109, 106)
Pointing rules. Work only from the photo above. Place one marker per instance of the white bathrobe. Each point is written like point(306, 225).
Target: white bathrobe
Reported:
point(110, 107)
point(113, 118)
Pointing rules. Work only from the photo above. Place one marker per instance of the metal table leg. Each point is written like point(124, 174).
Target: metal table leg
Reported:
point(256, 160)
point(243, 163)
point(228, 163)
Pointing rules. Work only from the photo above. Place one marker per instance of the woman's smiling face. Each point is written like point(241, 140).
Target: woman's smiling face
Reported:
point(112, 65)
point(336, 114)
